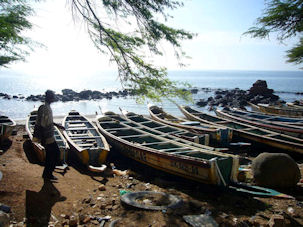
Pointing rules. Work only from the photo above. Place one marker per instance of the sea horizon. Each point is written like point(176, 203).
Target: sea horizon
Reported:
point(285, 83)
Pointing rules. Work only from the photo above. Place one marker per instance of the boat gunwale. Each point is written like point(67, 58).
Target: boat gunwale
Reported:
point(192, 160)
point(76, 146)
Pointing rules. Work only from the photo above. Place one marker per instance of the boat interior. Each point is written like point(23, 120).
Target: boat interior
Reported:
point(82, 132)
point(5, 120)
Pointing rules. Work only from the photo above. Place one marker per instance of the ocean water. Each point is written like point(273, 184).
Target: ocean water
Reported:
point(285, 84)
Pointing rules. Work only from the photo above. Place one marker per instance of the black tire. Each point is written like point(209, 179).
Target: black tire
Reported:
point(131, 197)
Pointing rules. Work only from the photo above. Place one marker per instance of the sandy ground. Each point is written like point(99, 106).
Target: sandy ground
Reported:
point(78, 197)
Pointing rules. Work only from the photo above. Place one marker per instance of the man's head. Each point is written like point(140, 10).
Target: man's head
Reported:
point(49, 96)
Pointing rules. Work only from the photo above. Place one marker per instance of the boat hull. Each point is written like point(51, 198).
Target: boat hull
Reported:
point(190, 167)
point(252, 133)
point(283, 111)
point(295, 131)
point(38, 148)
point(7, 126)
point(88, 145)
point(219, 135)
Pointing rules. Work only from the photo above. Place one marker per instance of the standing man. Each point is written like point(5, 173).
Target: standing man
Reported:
point(45, 126)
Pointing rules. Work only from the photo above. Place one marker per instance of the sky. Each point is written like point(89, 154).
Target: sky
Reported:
point(219, 44)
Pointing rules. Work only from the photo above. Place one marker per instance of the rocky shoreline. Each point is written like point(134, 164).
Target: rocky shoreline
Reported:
point(258, 93)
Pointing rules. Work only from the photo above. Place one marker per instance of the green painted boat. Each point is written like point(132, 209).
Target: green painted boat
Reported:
point(219, 135)
point(240, 116)
point(169, 132)
point(269, 117)
point(279, 110)
point(190, 162)
point(252, 133)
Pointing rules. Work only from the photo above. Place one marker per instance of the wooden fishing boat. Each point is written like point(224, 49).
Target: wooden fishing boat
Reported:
point(186, 161)
point(249, 132)
point(280, 110)
point(270, 117)
point(240, 116)
point(219, 135)
point(166, 131)
point(168, 155)
point(85, 140)
point(7, 126)
point(39, 149)
point(297, 105)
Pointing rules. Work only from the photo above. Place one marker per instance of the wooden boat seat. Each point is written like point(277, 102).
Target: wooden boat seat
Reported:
point(116, 129)
point(185, 152)
point(273, 134)
point(173, 132)
point(222, 122)
point(175, 148)
point(86, 145)
point(153, 143)
point(84, 137)
point(73, 129)
point(164, 126)
point(90, 139)
point(107, 122)
point(130, 136)
point(72, 124)
point(76, 122)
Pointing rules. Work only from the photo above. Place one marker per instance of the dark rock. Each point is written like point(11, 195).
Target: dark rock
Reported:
point(218, 97)
point(86, 94)
point(260, 88)
point(69, 92)
point(275, 170)
point(201, 102)
point(194, 90)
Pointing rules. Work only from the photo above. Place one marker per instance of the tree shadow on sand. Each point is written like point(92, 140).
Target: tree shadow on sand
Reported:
point(39, 204)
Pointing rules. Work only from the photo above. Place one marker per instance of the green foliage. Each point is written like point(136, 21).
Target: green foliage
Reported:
point(285, 19)
point(13, 20)
point(129, 32)
point(295, 55)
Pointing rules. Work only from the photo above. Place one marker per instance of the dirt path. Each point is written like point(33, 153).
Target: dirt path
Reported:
point(77, 197)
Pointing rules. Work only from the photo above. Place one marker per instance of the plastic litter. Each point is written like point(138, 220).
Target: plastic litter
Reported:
point(122, 192)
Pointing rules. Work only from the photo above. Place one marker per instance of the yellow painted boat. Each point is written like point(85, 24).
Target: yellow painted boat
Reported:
point(39, 149)
point(7, 126)
point(85, 140)
point(180, 159)
point(175, 157)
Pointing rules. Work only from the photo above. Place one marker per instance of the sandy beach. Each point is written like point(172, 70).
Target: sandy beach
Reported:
point(78, 197)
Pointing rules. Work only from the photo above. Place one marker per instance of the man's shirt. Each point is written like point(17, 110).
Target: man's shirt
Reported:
point(47, 122)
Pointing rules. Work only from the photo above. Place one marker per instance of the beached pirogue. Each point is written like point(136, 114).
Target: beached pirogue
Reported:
point(219, 135)
point(240, 116)
point(269, 117)
point(278, 110)
point(85, 140)
point(39, 149)
point(173, 157)
point(252, 133)
point(166, 131)
point(6, 127)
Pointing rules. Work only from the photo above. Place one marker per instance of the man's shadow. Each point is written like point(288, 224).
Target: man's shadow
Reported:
point(39, 204)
